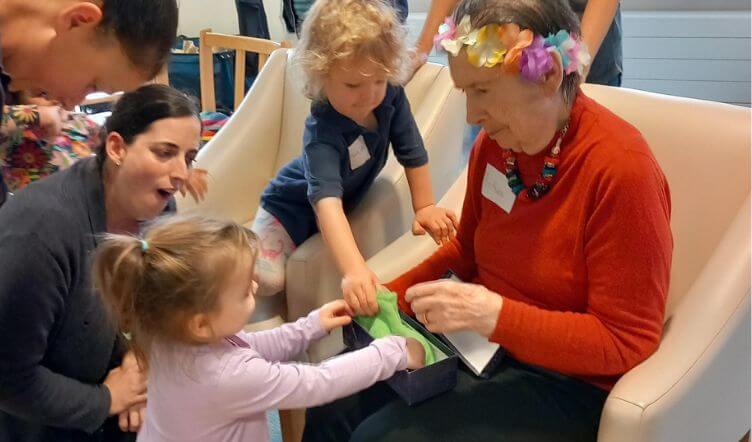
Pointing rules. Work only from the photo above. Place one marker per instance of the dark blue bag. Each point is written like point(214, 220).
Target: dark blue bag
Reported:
point(184, 75)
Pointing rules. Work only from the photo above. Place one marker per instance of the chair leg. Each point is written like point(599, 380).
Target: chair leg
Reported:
point(291, 423)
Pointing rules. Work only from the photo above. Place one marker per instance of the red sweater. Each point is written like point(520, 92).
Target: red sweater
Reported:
point(584, 271)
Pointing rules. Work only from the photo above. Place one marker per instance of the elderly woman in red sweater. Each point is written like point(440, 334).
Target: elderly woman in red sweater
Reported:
point(564, 242)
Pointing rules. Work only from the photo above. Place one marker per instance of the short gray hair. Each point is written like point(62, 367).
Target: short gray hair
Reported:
point(543, 17)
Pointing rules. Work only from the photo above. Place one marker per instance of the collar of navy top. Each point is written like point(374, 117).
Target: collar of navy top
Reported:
point(324, 113)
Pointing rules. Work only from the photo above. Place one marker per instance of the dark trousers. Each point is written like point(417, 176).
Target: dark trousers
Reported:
point(518, 402)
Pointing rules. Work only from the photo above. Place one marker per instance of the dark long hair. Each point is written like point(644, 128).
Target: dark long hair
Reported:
point(135, 111)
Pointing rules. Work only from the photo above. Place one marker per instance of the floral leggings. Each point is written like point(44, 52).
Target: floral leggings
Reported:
point(275, 247)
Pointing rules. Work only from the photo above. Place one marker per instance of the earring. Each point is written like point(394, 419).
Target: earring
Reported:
point(117, 163)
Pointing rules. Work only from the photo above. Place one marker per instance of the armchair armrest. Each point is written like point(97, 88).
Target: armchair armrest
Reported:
point(696, 385)
point(240, 158)
point(409, 250)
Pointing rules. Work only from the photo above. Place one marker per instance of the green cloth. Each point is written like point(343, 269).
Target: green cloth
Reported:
point(389, 323)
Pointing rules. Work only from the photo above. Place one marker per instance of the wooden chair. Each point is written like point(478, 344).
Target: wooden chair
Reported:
point(208, 41)
point(101, 97)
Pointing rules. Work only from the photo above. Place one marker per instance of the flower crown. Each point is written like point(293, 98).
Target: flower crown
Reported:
point(518, 50)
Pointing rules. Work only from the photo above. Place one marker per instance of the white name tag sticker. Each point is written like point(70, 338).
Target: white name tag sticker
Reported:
point(358, 153)
point(496, 188)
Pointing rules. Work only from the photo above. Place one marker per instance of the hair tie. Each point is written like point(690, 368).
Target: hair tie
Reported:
point(144, 246)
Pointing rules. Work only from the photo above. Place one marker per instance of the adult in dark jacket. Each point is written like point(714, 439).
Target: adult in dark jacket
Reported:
point(62, 373)
point(65, 49)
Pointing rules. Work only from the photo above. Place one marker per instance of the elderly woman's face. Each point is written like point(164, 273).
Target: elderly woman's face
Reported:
point(517, 114)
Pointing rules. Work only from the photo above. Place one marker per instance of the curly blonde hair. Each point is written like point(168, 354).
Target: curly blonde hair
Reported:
point(336, 30)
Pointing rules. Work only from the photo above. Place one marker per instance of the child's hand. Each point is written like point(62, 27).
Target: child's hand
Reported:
point(335, 314)
point(359, 291)
point(132, 419)
point(440, 223)
point(196, 184)
point(51, 120)
point(416, 354)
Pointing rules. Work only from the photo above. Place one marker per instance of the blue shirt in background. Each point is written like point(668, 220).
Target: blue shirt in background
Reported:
point(324, 169)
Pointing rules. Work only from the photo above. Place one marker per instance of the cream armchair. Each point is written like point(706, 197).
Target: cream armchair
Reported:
point(267, 131)
point(696, 386)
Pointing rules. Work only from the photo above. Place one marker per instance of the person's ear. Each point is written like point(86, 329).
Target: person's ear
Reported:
point(552, 80)
point(200, 327)
point(115, 148)
point(79, 14)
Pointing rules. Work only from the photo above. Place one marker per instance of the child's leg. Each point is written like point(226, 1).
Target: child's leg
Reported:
point(275, 246)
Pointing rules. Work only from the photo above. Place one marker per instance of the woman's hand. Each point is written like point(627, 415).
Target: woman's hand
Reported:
point(417, 59)
point(447, 306)
point(196, 184)
point(51, 120)
point(359, 291)
point(132, 419)
point(440, 223)
point(127, 385)
point(335, 314)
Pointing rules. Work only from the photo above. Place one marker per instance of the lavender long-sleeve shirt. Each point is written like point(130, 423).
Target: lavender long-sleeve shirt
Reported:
point(220, 392)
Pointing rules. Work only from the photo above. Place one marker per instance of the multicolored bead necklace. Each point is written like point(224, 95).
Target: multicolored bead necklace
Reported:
point(543, 184)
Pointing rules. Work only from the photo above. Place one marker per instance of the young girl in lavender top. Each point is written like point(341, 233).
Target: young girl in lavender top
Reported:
point(184, 291)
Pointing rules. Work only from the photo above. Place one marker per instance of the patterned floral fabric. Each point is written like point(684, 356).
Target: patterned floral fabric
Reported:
point(25, 157)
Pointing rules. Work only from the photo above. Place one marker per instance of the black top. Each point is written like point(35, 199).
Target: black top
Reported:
point(57, 343)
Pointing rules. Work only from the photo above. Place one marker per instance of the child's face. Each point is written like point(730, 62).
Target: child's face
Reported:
point(68, 58)
point(236, 302)
point(355, 87)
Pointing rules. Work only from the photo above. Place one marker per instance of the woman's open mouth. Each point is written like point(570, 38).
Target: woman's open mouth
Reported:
point(166, 194)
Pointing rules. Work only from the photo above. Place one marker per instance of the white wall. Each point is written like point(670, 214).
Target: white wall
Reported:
point(647, 5)
point(221, 16)
point(685, 5)
point(698, 54)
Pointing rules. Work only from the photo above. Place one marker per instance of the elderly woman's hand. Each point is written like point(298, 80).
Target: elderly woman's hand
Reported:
point(447, 306)
point(440, 223)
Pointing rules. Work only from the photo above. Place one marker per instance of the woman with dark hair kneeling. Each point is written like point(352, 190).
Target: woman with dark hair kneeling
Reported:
point(63, 374)
point(564, 242)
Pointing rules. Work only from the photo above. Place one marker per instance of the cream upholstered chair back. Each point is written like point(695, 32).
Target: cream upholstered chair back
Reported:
point(704, 151)
point(696, 385)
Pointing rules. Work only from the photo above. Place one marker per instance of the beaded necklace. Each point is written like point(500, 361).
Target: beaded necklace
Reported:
point(543, 184)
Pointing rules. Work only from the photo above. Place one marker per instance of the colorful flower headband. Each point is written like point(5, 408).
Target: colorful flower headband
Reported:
point(517, 50)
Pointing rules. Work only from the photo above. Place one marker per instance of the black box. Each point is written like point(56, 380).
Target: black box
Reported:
point(413, 386)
